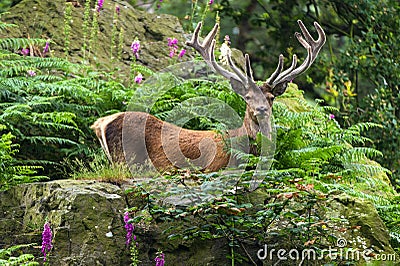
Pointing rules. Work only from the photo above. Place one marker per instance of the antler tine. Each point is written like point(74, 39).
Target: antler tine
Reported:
point(235, 68)
point(203, 48)
point(294, 73)
point(225, 73)
point(287, 71)
point(210, 36)
point(248, 69)
point(277, 71)
point(206, 49)
point(313, 47)
point(315, 44)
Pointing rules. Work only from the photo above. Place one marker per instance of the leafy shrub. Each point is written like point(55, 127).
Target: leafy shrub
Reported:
point(13, 256)
point(315, 158)
point(12, 171)
point(49, 103)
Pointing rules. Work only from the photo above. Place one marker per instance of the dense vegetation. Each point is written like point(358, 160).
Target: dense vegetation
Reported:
point(358, 71)
point(47, 105)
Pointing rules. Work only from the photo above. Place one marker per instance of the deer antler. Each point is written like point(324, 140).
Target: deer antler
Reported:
point(313, 47)
point(206, 50)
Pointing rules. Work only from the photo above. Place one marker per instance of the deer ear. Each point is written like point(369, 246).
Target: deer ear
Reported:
point(238, 87)
point(280, 89)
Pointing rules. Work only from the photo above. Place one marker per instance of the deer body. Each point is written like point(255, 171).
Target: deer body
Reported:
point(136, 137)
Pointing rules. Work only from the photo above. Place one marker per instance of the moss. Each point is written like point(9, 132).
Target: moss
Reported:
point(46, 20)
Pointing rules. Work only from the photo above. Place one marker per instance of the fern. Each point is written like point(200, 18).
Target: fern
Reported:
point(49, 112)
point(7, 258)
point(18, 43)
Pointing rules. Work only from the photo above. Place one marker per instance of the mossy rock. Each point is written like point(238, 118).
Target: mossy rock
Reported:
point(87, 222)
point(45, 19)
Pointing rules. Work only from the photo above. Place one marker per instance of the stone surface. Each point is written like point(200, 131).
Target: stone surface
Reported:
point(85, 216)
point(87, 222)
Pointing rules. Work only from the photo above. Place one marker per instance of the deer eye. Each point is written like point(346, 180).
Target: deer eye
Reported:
point(247, 97)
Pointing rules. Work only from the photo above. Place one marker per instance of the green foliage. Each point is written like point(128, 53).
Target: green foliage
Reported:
point(191, 103)
point(12, 171)
point(13, 256)
point(358, 67)
point(382, 107)
point(315, 158)
point(48, 104)
point(313, 142)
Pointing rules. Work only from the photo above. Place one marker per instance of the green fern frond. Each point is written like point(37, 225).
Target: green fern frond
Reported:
point(142, 69)
point(324, 153)
point(366, 168)
point(18, 43)
point(395, 237)
point(4, 26)
point(359, 127)
point(357, 154)
point(50, 140)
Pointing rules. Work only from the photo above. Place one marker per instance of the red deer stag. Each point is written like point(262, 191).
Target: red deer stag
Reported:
point(136, 137)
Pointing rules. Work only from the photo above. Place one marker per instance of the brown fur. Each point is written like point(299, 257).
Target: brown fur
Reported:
point(135, 137)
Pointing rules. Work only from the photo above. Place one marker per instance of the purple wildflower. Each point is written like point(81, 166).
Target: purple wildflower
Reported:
point(118, 10)
point(331, 116)
point(100, 5)
point(135, 48)
point(160, 259)
point(25, 51)
point(211, 2)
point(46, 240)
point(31, 73)
point(138, 78)
point(128, 226)
point(182, 53)
point(46, 48)
point(172, 42)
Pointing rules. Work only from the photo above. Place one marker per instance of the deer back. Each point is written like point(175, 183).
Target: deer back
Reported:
point(139, 138)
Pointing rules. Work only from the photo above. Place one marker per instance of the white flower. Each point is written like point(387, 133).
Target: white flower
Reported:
point(225, 51)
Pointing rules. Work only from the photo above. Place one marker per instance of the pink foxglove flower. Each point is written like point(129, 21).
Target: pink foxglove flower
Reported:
point(138, 78)
point(172, 42)
point(31, 73)
point(100, 5)
point(160, 259)
point(135, 48)
point(129, 229)
point(25, 51)
point(46, 240)
point(182, 53)
point(46, 48)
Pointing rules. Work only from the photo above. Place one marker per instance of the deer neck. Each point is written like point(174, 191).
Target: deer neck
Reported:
point(251, 126)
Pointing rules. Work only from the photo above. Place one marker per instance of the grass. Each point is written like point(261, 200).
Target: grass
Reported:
point(100, 169)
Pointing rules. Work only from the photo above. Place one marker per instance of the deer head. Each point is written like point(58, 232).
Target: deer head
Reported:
point(259, 99)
